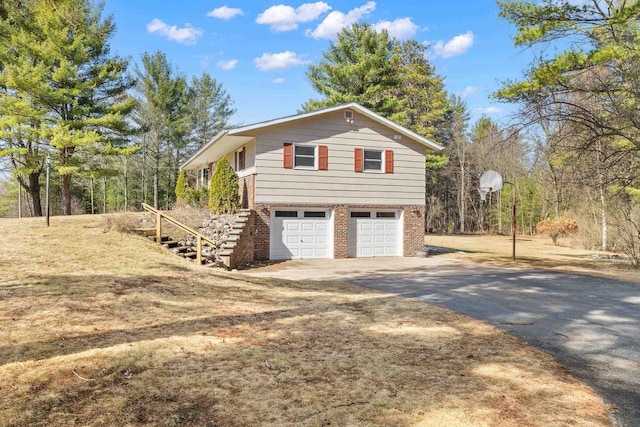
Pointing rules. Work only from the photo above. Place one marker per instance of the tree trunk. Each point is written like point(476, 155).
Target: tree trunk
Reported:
point(65, 186)
point(156, 179)
point(93, 210)
point(603, 202)
point(462, 213)
point(104, 194)
point(126, 184)
point(34, 192)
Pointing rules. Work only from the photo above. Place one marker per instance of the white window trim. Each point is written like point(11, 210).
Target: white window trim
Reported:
point(382, 161)
point(204, 182)
point(237, 159)
point(315, 157)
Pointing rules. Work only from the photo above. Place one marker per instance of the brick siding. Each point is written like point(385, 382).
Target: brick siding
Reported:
point(246, 186)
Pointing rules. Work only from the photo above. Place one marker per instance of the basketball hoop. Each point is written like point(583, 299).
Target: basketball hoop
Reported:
point(483, 193)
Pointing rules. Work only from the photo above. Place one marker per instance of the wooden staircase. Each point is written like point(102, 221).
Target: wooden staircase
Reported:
point(172, 245)
point(155, 234)
point(236, 251)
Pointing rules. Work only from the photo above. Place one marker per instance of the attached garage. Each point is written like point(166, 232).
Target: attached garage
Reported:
point(301, 234)
point(375, 233)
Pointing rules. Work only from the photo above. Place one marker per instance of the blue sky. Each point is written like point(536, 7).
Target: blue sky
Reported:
point(259, 50)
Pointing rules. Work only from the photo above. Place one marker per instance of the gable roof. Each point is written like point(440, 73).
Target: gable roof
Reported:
point(230, 139)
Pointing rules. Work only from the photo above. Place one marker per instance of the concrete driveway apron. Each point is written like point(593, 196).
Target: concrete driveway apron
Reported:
point(590, 324)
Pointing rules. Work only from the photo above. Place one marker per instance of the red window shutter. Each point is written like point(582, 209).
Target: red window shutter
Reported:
point(388, 161)
point(235, 161)
point(359, 159)
point(323, 157)
point(288, 155)
point(243, 154)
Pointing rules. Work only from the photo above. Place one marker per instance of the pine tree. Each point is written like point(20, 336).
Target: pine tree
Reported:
point(209, 107)
point(161, 115)
point(62, 88)
point(392, 78)
point(224, 195)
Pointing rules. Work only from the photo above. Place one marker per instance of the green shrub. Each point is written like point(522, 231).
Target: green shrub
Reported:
point(224, 197)
point(182, 188)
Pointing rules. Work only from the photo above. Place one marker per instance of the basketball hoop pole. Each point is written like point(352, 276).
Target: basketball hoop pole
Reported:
point(513, 222)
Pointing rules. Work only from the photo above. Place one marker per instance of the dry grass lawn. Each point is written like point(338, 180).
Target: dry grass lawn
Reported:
point(535, 252)
point(107, 329)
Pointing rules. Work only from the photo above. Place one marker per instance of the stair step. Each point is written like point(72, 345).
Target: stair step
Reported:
point(188, 254)
point(170, 243)
point(180, 248)
point(145, 231)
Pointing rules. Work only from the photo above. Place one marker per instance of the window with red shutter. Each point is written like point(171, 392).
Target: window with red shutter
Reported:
point(288, 155)
point(358, 159)
point(323, 157)
point(388, 161)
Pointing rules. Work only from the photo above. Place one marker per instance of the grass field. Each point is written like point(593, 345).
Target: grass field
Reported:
point(535, 252)
point(107, 329)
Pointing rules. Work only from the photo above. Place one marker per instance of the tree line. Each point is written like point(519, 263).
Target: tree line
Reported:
point(570, 151)
point(115, 136)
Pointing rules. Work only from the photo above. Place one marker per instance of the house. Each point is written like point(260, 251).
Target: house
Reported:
point(334, 183)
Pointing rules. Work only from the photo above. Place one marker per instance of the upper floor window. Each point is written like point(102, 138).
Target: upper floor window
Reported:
point(373, 161)
point(304, 156)
point(376, 161)
point(315, 157)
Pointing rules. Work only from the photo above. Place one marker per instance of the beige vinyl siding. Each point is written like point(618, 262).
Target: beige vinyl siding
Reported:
point(250, 156)
point(339, 184)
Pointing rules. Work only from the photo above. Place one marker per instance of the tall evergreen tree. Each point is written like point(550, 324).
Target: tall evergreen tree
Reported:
point(161, 115)
point(357, 67)
point(390, 77)
point(62, 87)
point(209, 107)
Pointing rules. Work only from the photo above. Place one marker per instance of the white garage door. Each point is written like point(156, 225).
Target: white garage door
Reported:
point(374, 233)
point(301, 234)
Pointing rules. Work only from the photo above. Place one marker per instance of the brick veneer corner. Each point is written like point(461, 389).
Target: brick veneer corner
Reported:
point(246, 187)
point(413, 229)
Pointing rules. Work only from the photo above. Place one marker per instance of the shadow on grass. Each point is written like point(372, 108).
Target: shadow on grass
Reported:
point(376, 361)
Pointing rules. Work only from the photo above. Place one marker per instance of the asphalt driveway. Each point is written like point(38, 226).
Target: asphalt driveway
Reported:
point(590, 324)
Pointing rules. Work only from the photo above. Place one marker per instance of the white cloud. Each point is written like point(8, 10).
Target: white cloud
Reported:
point(186, 35)
point(469, 90)
point(227, 64)
point(401, 28)
point(225, 12)
point(456, 46)
point(285, 18)
point(488, 110)
point(336, 21)
point(278, 81)
point(278, 61)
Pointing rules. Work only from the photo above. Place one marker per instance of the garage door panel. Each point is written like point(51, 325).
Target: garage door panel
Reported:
point(371, 236)
point(294, 236)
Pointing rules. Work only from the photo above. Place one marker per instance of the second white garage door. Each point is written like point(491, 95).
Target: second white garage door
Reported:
point(301, 234)
point(375, 233)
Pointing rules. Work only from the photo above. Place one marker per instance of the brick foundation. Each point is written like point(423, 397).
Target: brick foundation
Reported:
point(413, 227)
point(246, 188)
